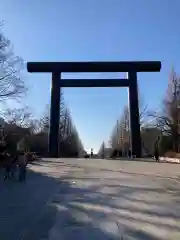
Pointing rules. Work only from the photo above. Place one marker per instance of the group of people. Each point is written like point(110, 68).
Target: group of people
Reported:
point(14, 165)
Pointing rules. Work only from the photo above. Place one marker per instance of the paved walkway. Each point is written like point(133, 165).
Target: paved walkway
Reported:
point(93, 199)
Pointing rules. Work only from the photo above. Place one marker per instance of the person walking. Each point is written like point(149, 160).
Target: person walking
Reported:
point(14, 166)
point(7, 166)
point(22, 162)
point(156, 150)
point(91, 153)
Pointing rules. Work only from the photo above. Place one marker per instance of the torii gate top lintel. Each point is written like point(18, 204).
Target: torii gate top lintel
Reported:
point(127, 66)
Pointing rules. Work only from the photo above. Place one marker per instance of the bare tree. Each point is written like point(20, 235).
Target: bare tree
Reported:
point(149, 136)
point(19, 116)
point(45, 119)
point(70, 143)
point(11, 83)
point(65, 123)
point(124, 131)
point(76, 142)
point(34, 126)
point(120, 137)
point(120, 133)
point(101, 152)
point(167, 119)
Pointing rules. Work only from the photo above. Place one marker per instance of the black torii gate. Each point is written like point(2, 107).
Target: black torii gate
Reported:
point(132, 68)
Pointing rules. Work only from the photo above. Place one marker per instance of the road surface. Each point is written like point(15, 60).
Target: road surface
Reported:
point(92, 199)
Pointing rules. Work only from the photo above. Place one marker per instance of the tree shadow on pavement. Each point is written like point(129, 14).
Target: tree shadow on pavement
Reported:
point(30, 211)
point(82, 207)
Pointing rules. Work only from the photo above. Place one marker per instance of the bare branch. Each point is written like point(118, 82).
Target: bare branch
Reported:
point(11, 83)
point(168, 118)
point(19, 116)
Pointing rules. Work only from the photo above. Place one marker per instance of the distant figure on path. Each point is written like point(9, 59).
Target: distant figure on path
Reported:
point(91, 152)
point(7, 166)
point(156, 150)
point(14, 166)
point(22, 162)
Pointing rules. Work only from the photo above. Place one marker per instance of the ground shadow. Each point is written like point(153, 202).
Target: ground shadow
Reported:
point(28, 211)
point(48, 207)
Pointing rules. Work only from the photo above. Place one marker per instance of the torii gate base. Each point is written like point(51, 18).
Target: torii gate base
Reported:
point(56, 68)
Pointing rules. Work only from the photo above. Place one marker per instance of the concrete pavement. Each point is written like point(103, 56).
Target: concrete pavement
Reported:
point(93, 199)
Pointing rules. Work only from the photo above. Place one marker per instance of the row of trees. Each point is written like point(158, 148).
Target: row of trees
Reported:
point(164, 123)
point(19, 126)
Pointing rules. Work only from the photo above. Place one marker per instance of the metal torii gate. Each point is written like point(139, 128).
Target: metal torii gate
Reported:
point(132, 68)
